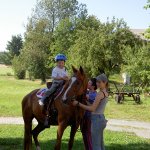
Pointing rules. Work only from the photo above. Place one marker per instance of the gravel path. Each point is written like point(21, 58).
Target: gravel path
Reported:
point(141, 129)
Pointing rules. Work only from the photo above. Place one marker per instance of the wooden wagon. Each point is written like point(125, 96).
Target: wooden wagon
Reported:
point(121, 93)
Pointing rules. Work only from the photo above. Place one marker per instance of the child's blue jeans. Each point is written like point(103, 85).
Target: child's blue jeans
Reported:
point(98, 124)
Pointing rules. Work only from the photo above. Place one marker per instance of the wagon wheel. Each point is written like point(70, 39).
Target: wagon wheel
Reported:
point(137, 99)
point(118, 98)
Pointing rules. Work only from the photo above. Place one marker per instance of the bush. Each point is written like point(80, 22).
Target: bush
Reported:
point(8, 74)
point(146, 90)
point(18, 67)
point(5, 58)
point(20, 74)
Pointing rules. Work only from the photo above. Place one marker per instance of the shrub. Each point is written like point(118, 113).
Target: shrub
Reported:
point(18, 67)
point(8, 74)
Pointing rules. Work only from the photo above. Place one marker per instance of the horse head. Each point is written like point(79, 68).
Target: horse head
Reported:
point(77, 85)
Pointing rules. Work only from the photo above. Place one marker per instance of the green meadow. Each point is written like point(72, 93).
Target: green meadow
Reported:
point(12, 92)
point(11, 136)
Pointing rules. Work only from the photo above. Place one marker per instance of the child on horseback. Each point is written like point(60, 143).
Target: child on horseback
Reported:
point(59, 75)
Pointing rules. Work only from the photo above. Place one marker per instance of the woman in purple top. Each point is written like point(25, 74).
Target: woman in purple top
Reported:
point(86, 130)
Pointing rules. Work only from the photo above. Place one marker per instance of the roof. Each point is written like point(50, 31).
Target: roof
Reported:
point(139, 32)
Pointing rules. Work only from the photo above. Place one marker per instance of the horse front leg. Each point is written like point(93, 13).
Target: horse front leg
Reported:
point(72, 135)
point(60, 131)
point(40, 127)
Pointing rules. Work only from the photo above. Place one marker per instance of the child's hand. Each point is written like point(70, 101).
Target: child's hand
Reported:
point(66, 78)
point(74, 103)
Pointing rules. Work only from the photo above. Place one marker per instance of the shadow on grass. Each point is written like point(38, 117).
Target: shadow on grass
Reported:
point(17, 144)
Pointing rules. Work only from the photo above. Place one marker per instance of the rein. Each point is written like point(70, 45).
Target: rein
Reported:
point(74, 97)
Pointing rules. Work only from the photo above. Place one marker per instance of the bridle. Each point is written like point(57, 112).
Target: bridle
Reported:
point(75, 97)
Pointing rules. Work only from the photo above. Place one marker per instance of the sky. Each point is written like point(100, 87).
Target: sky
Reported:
point(14, 14)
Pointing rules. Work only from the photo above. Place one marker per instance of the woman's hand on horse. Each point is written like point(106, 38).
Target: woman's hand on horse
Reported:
point(87, 96)
point(74, 103)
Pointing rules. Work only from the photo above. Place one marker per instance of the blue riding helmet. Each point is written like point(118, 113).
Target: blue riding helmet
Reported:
point(60, 57)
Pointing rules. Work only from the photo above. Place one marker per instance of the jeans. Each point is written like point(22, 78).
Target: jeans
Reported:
point(52, 89)
point(98, 124)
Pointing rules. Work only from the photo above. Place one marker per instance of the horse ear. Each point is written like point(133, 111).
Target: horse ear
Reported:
point(81, 70)
point(74, 69)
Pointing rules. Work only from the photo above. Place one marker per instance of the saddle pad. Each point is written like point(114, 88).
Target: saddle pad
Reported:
point(41, 92)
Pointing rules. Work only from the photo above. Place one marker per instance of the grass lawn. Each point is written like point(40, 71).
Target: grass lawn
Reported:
point(11, 138)
point(129, 110)
point(12, 91)
point(6, 70)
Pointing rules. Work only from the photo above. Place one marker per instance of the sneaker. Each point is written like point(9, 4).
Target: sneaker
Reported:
point(41, 102)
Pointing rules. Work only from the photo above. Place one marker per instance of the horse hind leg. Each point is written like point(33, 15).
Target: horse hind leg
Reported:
point(35, 133)
point(27, 135)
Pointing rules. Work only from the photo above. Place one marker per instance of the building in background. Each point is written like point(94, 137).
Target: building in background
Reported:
point(140, 33)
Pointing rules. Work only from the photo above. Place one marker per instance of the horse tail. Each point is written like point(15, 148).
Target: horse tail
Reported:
point(27, 117)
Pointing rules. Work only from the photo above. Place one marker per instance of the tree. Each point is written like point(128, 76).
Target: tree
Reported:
point(147, 5)
point(147, 32)
point(56, 10)
point(138, 65)
point(63, 38)
point(18, 67)
point(35, 52)
point(101, 46)
point(40, 38)
point(15, 45)
point(5, 58)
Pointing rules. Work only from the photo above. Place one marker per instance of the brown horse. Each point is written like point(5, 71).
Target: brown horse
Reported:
point(67, 114)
